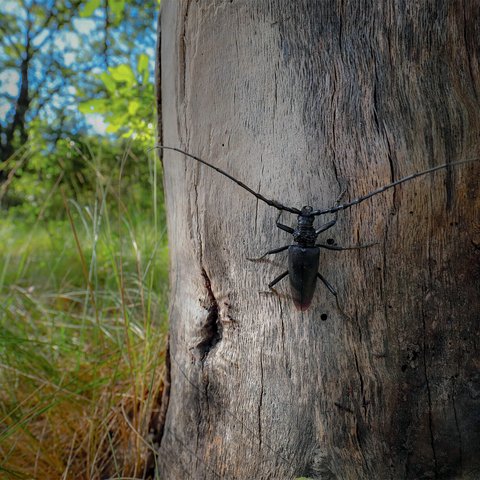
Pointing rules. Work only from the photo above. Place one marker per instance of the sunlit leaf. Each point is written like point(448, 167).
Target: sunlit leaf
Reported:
point(108, 82)
point(142, 67)
point(117, 7)
point(142, 63)
point(129, 134)
point(89, 8)
point(133, 106)
point(112, 128)
point(123, 73)
point(93, 106)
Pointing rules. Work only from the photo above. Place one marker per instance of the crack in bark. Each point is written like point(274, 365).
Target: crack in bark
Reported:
point(359, 328)
point(212, 330)
point(282, 330)
point(182, 74)
point(467, 51)
point(457, 426)
point(197, 216)
point(260, 403)
point(392, 168)
point(429, 395)
point(256, 200)
point(362, 386)
point(424, 328)
point(359, 443)
point(375, 101)
point(359, 425)
point(340, 28)
point(183, 52)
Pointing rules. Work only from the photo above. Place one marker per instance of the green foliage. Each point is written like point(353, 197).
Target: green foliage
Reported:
point(90, 7)
point(116, 9)
point(79, 166)
point(84, 259)
point(82, 311)
point(64, 93)
point(128, 102)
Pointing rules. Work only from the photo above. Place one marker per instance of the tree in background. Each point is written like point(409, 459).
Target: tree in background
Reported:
point(33, 68)
point(55, 55)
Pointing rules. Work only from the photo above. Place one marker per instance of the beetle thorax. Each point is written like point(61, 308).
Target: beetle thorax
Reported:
point(305, 234)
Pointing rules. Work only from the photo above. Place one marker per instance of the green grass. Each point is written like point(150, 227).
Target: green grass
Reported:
point(83, 320)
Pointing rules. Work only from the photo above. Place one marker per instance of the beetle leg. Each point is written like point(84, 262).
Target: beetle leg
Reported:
point(270, 252)
point(336, 247)
point(322, 278)
point(342, 193)
point(330, 224)
point(286, 228)
point(326, 226)
point(276, 280)
point(334, 292)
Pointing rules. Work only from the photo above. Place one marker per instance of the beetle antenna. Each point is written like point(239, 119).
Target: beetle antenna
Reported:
point(271, 203)
point(390, 185)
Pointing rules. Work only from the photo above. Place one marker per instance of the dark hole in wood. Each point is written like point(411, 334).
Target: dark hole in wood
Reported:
point(212, 330)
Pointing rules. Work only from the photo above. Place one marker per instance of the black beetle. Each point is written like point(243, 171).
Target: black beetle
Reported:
point(303, 258)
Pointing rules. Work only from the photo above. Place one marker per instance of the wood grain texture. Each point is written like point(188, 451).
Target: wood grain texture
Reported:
point(298, 99)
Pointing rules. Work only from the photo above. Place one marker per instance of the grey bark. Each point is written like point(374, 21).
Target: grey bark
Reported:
point(298, 99)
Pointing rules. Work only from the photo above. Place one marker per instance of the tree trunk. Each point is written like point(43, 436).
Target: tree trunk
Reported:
point(297, 100)
point(22, 104)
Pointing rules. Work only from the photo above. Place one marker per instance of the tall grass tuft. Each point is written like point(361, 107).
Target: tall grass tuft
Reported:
point(83, 320)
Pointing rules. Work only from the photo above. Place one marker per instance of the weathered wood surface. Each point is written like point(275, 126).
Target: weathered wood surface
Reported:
point(296, 99)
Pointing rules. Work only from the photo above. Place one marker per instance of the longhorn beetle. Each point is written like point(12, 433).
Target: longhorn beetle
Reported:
point(303, 258)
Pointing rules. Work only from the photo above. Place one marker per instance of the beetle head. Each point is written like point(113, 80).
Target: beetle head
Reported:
point(305, 218)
